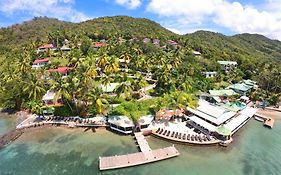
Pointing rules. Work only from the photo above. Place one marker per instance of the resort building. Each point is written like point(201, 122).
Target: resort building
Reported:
point(46, 47)
point(228, 65)
point(40, 63)
point(121, 124)
point(210, 74)
point(64, 71)
point(50, 99)
point(218, 121)
point(243, 87)
point(124, 125)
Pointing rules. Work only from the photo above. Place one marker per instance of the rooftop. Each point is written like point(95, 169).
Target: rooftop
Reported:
point(122, 121)
point(214, 114)
point(222, 92)
point(41, 60)
point(47, 46)
point(240, 87)
point(61, 69)
point(227, 62)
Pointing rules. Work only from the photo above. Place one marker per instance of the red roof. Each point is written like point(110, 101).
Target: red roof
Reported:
point(61, 69)
point(100, 44)
point(41, 60)
point(47, 46)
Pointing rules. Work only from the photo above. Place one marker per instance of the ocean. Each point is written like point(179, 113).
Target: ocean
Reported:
point(256, 150)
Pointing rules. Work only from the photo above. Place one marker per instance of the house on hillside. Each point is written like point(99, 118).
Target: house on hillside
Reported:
point(64, 48)
point(146, 40)
point(40, 63)
point(156, 42)
point(210, 74)
point(196, 53)
point(46, 47)
point(98, 45)
point(227, 65)
point(173, 43)
point(50, 99)
point(64, 71)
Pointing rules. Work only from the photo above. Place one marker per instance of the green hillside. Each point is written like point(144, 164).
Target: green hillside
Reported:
point(125, 58)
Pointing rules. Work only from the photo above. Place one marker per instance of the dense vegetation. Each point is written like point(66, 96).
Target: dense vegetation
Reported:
point(176, 70)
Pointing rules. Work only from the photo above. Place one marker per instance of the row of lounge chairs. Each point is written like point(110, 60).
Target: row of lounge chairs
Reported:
point(183, 136)
point(71, 119)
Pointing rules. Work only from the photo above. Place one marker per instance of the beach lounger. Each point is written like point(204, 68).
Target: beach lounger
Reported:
point(188, 136)
point(176, 135)
point(208, 138)
point(168, 133)
point(192, 137)
point(173, 134)
point(161, 131)
point(179, 136)
point(184, 136)
point(157, 130)
point(200, 139)
point(165, 132)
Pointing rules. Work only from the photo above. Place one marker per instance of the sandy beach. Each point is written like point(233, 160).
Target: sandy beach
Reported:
point(270, 113)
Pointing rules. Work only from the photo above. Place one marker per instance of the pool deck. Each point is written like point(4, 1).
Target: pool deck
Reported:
point(147, 155)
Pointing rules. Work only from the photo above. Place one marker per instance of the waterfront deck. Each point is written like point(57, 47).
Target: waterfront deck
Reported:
point(185, 139)
point(139, 158)
point(147, 155)
point(268, 121)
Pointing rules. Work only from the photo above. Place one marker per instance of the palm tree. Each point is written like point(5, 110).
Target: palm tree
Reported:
point(124, 88)
point(96, 97)
point(34, 87)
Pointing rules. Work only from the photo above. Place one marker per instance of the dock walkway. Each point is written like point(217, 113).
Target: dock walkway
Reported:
point(269, 122)
point(147, 155)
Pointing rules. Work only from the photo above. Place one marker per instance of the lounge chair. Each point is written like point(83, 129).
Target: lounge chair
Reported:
point(168, 133)
point(188, 136)
point(192, 137)
point(176, 135)
point(173, 134)
point(200, 139)
point(184, 136)
point(165, 132)
point(208, 137)
point(179, 136)
point(157, 130)
point(161, 131)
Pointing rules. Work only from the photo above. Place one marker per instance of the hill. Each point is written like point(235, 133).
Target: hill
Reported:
point(250, 46)
point(43, 28)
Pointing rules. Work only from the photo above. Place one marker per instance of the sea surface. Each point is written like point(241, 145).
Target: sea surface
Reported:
point(50, 151)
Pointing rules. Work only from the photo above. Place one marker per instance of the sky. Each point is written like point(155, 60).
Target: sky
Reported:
point(180, 16)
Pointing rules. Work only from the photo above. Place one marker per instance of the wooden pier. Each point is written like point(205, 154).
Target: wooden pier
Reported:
point(147, 155)
point(269, 122)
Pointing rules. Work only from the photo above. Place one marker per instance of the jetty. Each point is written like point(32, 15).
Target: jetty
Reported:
point(267, 121)
point(147, 155)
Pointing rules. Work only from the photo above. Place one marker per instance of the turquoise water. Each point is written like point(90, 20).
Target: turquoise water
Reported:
point(7, 123)
point(256, 150)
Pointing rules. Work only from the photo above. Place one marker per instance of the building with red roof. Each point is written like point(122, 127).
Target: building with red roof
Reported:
point(40, 63)
point(45, 47)
point(99, 45)
point(62, 70)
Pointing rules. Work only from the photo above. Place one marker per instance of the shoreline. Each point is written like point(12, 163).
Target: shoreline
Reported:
point(270, 113)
